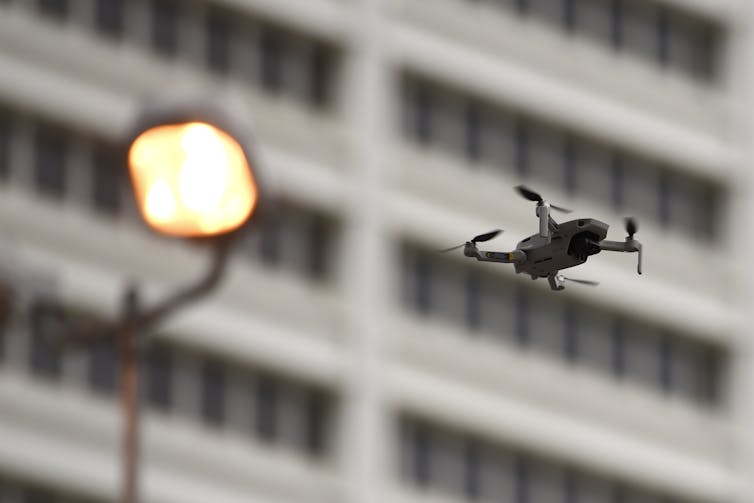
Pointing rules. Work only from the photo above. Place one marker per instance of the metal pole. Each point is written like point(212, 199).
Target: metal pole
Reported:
point(129, 395)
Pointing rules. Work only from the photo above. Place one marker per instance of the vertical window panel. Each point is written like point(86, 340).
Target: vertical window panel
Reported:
point(641, 28)
point(108, 178)
point(594, 19)
point(213, 393)
point(643, 356)
point(448, 122)
point(272, 52)
point(103, 367)
point(158, 377)
point(320, 74)
point(640, 189)
point(547, 325)
point(266, 408)
point(164, 28)
point(219, 36)
point(51, 152)
point(497, 140)
point(448, 292)
point(594, 173)
point(46, 323)
point(6, 124)
point(109, 17)
point(546, 160)
point(447, 467)
point(57, 9)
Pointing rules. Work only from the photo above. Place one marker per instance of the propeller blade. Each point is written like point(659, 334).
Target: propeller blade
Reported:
point(631, 226)
point(529, 194)
point(451, 248)
point(583, 281)
point(486, 236)
point(560, 209)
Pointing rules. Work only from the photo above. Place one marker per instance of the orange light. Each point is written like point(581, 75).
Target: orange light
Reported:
point(191, 179)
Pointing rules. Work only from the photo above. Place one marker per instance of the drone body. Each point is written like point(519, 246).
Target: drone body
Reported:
point(556, 246)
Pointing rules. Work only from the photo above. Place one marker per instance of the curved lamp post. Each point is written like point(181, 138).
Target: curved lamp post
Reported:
point(192, 171)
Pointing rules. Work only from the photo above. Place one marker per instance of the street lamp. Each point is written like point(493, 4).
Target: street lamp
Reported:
point(193, 176)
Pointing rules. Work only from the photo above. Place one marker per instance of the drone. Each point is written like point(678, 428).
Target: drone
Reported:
point(556, 246)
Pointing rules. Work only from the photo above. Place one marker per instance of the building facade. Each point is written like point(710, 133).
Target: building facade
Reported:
point(343, 359)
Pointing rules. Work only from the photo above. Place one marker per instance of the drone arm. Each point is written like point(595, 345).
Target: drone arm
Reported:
point(628, 246)
point(513, 257)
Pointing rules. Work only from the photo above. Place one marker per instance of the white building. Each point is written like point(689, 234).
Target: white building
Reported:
point(342, 359)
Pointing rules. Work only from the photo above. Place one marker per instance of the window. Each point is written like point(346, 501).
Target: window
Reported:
point(103, 365)
point(272, 54)
point(159, 366)
point(595, 18)
point(473, 129)
point(213, 393)
point(54, 8)
point(220, 31)
point(47, 323)
point(165, 27)
point(319, 250)
point(5, 144)
point(546, 160)
point(109, 17)
point(451, 463)
point(266, 408)
point(320, 74)
point(50, 162)
point(315, 422)
point(108, 177)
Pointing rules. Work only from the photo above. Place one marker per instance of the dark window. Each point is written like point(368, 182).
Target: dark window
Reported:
point(272, 54)
point(521, 479)
point(109, 17)
point(219, 37)
point(5, 143)
point(522, 318)
point(318, 258)
point(320, 72)
point(158, 377)
point(47, 322)
point(266, 408)
point(165, 26)
point(618, 183)
point(663, 35)
point(472, 469)
point(50, 162)
point(571, 346)
point(422, 122)
point(569, 15)
point(666, 363)
point(103, 367)
point(522, 147)
point(420, 461)
point(570, 156)
point(619, 348)
point(107, 179)
point(213, 393)
point(473, 301)
point(664, 190)
point(616, 22)
point(270, 238)
point(315, 430)
point(33, 495)
point(473, 132)
point(54, 8)
point(422, 275)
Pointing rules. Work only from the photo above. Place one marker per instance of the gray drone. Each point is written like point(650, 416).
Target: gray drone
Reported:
point(556, 246)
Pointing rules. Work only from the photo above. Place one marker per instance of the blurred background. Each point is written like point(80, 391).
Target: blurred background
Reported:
point(343, 359)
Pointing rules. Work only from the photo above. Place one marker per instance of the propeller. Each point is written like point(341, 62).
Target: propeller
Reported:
point(529, 194)
point(631, 227)
point(581, 281)
point(476, 239)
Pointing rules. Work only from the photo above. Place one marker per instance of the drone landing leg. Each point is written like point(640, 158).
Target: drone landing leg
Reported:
point(556, 281)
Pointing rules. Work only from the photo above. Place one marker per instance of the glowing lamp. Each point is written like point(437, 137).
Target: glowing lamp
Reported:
point(191, 179)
